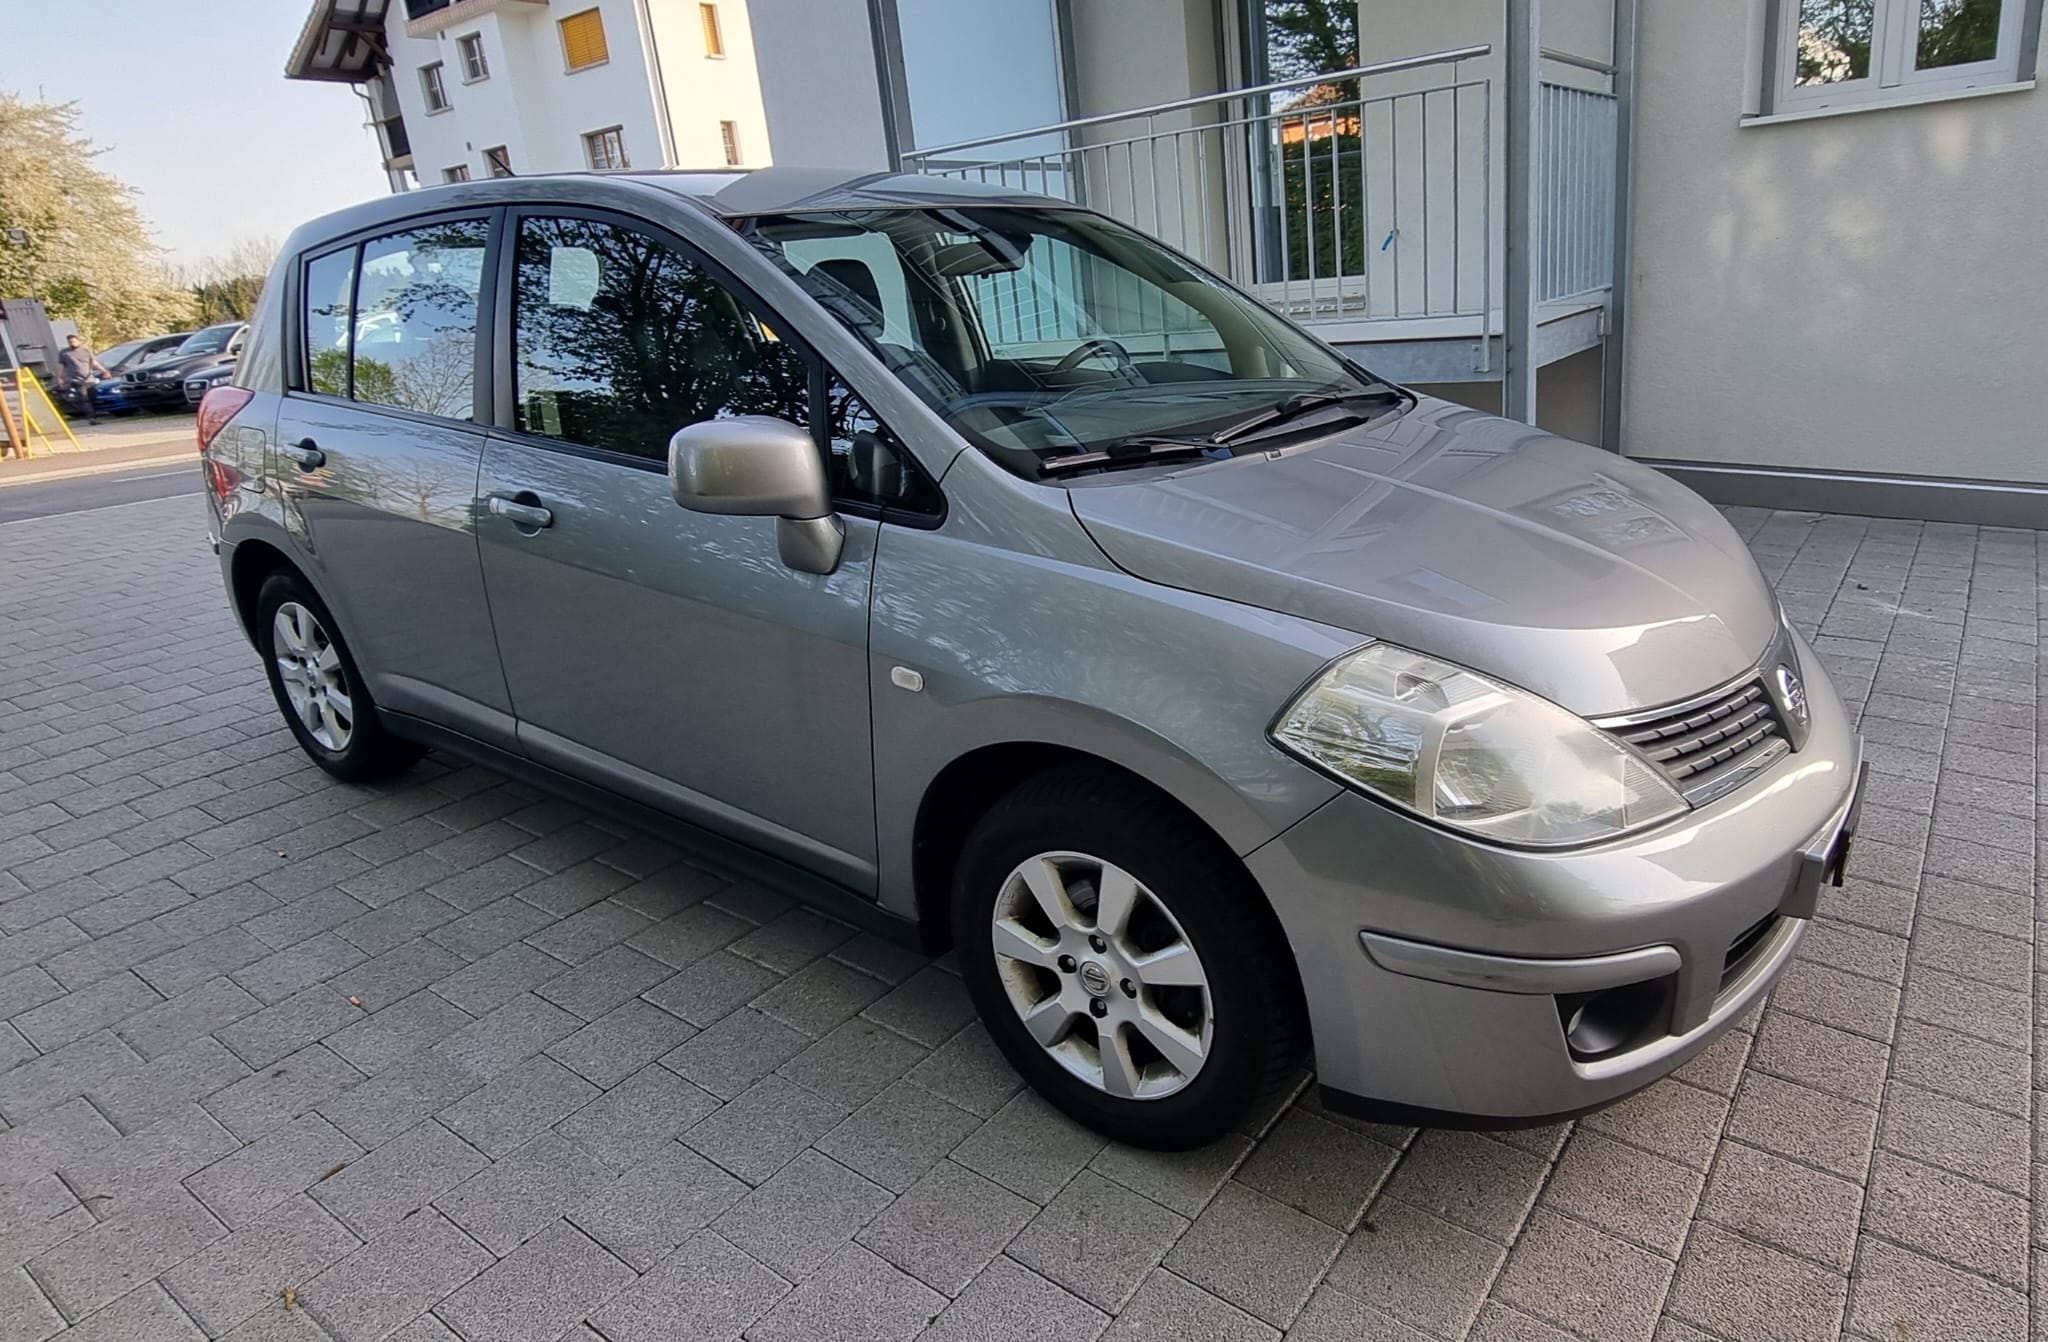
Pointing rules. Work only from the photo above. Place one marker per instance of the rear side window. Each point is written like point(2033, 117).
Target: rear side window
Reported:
point(621, 339)
point(415, 318)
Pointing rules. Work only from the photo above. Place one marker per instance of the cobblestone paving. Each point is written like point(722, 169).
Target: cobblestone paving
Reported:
point(287, 1059)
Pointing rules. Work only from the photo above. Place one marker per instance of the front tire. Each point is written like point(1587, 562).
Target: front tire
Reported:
point(1124, 960)
point(318, 688)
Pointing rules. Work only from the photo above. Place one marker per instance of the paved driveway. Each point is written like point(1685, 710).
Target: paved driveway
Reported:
point(287, 1059)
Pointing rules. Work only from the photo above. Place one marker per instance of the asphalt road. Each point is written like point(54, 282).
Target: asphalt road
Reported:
point(85, 493)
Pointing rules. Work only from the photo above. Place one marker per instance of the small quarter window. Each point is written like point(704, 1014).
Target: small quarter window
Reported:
point(330, 301)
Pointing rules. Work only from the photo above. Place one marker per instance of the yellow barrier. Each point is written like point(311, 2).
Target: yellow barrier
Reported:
point(24, 383)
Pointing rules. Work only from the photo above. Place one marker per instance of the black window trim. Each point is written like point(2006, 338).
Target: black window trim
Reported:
point(503, 421)
point(298, 381)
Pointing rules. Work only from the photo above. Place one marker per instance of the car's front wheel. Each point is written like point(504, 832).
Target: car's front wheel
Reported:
point(1124, 960)
point(318, 688)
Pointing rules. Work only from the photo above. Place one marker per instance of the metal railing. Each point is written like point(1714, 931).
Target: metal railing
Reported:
point(1341, 196)
point(1364, 194)
point(1576, 249)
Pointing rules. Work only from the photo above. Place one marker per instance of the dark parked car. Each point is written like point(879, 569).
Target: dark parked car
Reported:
point(206, 377)
point(124, 359)
point(160, 384)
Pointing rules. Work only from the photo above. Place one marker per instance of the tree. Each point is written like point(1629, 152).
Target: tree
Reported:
point(71, 234)
point(1310, 37)
point(226, 288)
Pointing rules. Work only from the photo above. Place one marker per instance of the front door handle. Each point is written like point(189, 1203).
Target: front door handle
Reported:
point(307, 454)
point(529, 515)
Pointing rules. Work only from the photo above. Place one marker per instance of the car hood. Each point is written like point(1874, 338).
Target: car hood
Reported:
point(177, 365)
point(1596, 582)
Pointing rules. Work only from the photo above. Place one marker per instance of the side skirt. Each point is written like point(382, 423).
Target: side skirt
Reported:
point(804, 886)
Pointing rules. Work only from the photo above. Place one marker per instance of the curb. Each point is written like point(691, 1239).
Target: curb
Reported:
point(174, 455)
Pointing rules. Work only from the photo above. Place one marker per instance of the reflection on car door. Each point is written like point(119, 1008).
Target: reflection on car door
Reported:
point(669, 655)
point(379, 451)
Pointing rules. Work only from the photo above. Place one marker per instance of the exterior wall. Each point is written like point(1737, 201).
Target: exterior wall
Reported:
point(819, 87)
point(703, 90)
point(540, 111)
point(1567, 395)
point(1858, 292)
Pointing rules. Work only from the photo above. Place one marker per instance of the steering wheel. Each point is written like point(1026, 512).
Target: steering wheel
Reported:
point(1095, 345)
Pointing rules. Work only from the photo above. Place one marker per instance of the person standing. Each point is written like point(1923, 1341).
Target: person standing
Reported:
point(76, 364)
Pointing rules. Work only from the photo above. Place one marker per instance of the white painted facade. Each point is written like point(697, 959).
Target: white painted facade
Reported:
point(660, 86)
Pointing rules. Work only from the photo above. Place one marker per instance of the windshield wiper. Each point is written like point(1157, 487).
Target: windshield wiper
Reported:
point(1301, 404)
point(1149, 447)
point(1125, 452)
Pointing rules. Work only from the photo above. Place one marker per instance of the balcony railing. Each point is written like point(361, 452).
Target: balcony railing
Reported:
point(1368, 194)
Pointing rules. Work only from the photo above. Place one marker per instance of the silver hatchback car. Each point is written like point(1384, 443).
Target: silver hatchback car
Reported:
point(998, 578)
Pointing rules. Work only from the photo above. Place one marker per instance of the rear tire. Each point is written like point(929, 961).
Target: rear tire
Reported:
point(1124, 960)
point(318, 688)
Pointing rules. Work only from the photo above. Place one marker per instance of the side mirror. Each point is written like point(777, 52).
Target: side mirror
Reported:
point(758, 466)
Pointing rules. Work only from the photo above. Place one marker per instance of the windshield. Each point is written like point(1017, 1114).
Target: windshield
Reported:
point(120, 353)
point(1040, 334)
point(212, 340)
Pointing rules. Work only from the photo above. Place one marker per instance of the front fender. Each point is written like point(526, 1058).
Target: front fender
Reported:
point(1005, 648)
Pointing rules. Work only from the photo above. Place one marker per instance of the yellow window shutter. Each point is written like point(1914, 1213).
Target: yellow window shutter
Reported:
point(583, 40)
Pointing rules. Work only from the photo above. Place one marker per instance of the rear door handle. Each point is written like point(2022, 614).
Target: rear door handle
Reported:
point(307, 454)
point(521, 514)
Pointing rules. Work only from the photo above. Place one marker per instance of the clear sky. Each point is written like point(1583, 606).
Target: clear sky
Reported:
point(192, 106)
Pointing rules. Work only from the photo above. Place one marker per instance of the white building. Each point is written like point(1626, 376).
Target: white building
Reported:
point(1827, 288)
point(471, 88)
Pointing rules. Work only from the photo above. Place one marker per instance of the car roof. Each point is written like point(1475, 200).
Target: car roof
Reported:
point(795, 190)
point(723, 194)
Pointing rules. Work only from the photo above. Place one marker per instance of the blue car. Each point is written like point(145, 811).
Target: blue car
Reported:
point(107, 393)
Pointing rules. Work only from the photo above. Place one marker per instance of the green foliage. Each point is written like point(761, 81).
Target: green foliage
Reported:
point(87, 251)
point(1310, 37)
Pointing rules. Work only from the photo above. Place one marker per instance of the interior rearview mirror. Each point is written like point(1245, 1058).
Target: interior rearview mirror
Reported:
point(759, 466)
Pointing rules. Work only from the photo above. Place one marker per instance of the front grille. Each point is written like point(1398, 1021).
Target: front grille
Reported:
point(1703, 748)
point(1745, 947)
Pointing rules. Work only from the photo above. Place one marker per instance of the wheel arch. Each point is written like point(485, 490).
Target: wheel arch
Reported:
point(961, 792)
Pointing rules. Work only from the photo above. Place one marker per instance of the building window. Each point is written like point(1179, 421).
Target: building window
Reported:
point(606, 149)
point(430, 85)
point(714, 40)
point(458, 173)
point(583, 40)
point(474, 66)
point(729, 131)
point(1838, 53)
point(498, 162)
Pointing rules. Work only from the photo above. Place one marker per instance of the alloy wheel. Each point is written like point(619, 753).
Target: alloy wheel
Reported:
point(309, 665)
point(1102, 975)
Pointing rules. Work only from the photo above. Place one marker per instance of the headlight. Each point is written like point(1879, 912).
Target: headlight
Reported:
point(1461, 750)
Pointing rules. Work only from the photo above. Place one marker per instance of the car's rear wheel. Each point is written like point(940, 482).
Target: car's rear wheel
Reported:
point(1124, 960)
point(318, 688)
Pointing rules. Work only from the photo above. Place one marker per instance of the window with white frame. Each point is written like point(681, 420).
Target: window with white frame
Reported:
point(474, 67)
point(458, 173)
point(1841, 53)
point(729, 133)
point(435, 91)
point(606, 149)
point(498, 161)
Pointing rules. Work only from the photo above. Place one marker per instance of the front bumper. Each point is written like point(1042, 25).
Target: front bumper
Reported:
point(170, 391)
point(1442, 975)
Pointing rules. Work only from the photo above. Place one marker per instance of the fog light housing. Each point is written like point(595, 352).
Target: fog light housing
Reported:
point(1613, 1020)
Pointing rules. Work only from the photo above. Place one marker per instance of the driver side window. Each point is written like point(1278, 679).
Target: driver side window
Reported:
point(620, 339)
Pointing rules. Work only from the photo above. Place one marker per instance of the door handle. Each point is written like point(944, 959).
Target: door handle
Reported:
point(307, 454)
point(521, 514)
